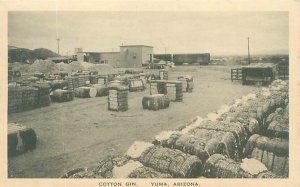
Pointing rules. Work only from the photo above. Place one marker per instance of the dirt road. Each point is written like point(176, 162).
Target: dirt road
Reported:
point(82, 132)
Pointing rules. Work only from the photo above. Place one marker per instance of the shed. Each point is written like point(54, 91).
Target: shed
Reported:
point(259, 72)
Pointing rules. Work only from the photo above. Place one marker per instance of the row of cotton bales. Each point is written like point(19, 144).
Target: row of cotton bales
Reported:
point(225, 144)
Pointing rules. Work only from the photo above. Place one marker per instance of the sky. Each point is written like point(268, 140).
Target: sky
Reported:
point(219, 33)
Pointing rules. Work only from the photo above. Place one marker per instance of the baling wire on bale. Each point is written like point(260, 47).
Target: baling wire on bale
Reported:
point(20, 139)
point(155, 102)
point(120, 166)
point(85, 92)
point(62, 95)
point(165, 160)
point(102, 90)
point(278, 123)
point(274, 153)
point(204, 138)
point(218, 166)
point(117, 97)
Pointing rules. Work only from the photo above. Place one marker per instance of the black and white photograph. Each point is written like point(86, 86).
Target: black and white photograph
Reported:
point(131, 94)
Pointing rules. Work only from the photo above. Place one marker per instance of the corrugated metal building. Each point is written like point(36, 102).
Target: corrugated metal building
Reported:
point(134, 56)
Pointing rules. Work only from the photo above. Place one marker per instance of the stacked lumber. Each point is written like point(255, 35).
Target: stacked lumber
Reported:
point(274, 153)
point(218, 166)
point(62, 95)
point(136, 85)
point(20, 139)
point(102, 89)
point(155, 102)
point(85, 92)
point(117, 97)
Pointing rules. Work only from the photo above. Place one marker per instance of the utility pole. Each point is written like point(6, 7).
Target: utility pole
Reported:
point(58, 46)
point(248, 52)
point(165, 53)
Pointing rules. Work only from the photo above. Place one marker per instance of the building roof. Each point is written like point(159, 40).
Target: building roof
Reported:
point(136, 46)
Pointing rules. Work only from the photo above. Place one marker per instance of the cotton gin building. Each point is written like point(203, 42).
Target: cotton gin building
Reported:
point(134, 56)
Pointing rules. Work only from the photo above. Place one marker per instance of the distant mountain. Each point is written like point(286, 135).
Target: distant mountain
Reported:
point(16, 54)
point(12, 47)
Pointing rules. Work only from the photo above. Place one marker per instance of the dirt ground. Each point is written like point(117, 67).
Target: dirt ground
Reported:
point(82, 132)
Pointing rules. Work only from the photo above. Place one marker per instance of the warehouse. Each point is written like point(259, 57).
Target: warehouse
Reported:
point(134, 56)
point(130, 56)
point(201, 58)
